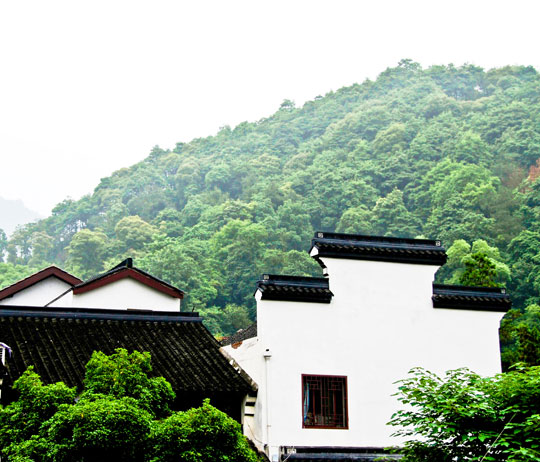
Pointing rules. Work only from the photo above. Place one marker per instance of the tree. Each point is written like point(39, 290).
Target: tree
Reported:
point(204, 434)
point(3, 244)
point(86, 252)
point(520, 337)
point(479, 264)
point(134, 232)
point(479, 271)
point(42, 245)
point(122, 414)
point(126, 375)
point(465, 417)
point(36, 404)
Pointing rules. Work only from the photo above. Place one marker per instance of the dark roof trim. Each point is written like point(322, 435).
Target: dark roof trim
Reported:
point(91, 313)
point(294, 288)
point(329, 453)
point(51, 271)
point(471, 298)
point(122, 272)
point(378, 248)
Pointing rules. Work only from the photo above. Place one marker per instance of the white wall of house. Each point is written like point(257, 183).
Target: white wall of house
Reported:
point(123, 294)
point(39, 294)
point(249, 355)
point(380, 324)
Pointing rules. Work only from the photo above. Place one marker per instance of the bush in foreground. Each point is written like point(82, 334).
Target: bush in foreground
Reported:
point(465, 417)
point(121, 415)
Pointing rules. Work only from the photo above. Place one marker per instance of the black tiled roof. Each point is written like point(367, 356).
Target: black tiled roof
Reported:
point(471, 298)
point(294, 288)
point(379, 248)
point(59, 343)
point(241, 335)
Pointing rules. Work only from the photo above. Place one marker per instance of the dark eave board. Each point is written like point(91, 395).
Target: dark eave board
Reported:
point(332, 453)
point(294, 288)
point(471, 298)
point(60, 344)
point(377, 248)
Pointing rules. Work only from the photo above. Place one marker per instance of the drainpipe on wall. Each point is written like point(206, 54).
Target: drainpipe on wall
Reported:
point(267, 355)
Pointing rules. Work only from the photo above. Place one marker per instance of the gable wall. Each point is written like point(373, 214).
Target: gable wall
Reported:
point(123, 294)
point(38, 294)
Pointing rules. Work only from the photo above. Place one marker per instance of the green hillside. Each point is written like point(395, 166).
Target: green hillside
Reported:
point(443, 152)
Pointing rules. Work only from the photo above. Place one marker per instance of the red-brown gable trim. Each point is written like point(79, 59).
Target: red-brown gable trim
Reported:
point(128, 273)
point(38, 277)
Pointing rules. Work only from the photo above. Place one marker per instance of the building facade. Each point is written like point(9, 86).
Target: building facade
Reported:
point(328, 351)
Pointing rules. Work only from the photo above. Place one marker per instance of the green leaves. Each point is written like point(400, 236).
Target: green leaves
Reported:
point(121, 415)
point(204, 434)
point(467, 417)
point(126, 375)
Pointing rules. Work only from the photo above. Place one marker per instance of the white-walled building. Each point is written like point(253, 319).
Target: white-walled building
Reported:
point(328, 351)
point(39, 288)
point(124, 287)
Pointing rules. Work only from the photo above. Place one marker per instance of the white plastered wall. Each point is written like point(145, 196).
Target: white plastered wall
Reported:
point(249, 355)
point(39, 294)
point(380, 324)
point(123, 294)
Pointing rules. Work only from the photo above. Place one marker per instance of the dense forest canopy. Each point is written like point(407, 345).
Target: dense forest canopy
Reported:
point(445, 152)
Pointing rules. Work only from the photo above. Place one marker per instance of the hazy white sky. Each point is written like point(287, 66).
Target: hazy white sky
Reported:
point(89, 87)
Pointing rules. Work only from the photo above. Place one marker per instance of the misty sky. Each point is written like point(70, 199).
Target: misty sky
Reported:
point(89, 87)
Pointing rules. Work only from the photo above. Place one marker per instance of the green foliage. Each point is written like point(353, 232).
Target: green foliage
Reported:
point(115, 418)
point(186, 437)
point(520, 337)
point(467, 417)
point(86, 253)
point(96, 429)
point(36, 404)
point(476, 265)
point(126, 375)
point(10, 273)
point(134, 232)
point(479, 271)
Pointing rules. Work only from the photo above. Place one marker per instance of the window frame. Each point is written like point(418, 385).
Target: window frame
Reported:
point(345, 397)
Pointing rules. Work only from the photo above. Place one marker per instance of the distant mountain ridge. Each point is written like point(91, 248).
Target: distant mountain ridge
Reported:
point(14, 213)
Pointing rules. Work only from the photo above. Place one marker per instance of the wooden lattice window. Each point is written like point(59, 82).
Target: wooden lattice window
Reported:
point(324, 401)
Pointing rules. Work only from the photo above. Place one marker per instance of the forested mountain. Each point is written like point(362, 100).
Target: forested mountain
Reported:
point(445, 152)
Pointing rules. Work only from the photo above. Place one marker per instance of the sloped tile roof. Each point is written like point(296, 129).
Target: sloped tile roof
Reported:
point(471, 298)
point(241, 335)
point(59, 343)
point(51, 271)
point(294, 288)
point(378, 248)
